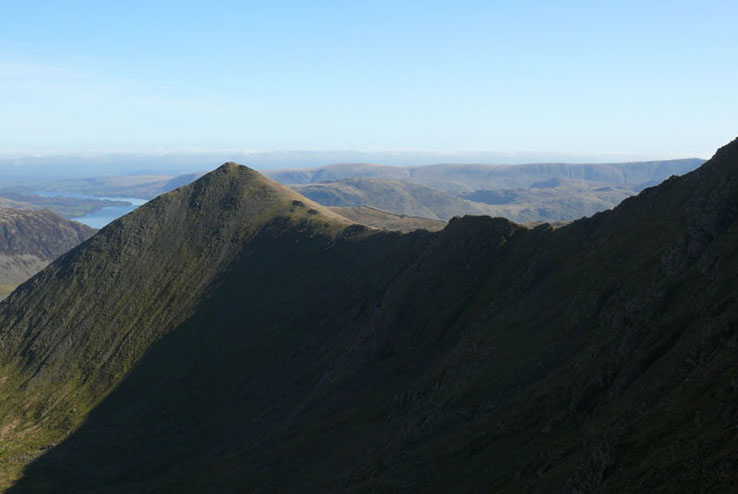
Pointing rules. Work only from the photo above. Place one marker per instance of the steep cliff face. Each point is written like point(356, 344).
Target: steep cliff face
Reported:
point(232, 335)
point(29, 240)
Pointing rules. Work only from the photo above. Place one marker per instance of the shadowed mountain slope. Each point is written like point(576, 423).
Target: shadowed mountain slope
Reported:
point(90, 316)
point(272, 348)
point(32, 239)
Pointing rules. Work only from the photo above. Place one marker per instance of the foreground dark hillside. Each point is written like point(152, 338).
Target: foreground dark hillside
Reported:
point(232, 336)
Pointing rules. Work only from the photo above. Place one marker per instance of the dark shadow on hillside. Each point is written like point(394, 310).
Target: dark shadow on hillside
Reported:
point(225, 382)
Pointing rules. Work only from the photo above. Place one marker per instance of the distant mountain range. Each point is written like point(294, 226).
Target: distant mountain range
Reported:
point(18, 167)
point(523, 193)
point(522, 205)
point(470, 178)
point(397, 196)
point(235, 336)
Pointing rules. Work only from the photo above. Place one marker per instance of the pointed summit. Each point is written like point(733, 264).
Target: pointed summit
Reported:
point(247, 198)
point(230, 165)
point(171, 248)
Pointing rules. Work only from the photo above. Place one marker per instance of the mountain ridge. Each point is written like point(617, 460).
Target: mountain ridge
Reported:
point(324, 355)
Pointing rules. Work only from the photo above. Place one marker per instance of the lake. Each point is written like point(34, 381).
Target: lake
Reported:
point(103, 216)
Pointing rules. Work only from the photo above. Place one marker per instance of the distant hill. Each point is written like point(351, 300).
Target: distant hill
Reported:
point(235, 336)
point(30, 240)
point(551, 203)
point(138, 186)
point(522, 193)
point(384, 220)
point(396, 196)
point(12, 204)
point(457, 179)
point(562, 203)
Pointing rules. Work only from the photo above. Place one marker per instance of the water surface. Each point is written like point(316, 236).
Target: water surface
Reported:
point(103, 216)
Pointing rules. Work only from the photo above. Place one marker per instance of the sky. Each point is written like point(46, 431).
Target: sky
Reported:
point(588, 80)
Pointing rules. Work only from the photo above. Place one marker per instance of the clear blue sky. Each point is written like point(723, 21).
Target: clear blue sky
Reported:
point(635, 77)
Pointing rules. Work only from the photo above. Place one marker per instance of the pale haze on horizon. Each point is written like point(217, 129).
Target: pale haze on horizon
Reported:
point(533, 81)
